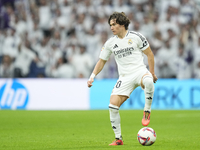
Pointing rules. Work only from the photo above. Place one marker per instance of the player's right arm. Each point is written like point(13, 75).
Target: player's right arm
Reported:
point(98, 67)
point(104, 56)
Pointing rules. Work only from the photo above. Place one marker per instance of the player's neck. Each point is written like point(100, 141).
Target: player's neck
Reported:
point(122, 34)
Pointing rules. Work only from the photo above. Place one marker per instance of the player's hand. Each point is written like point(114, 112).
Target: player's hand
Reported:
point(154, 78)
point(90, 81)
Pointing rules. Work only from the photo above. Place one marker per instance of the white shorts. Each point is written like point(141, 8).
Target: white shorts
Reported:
point(127, 83)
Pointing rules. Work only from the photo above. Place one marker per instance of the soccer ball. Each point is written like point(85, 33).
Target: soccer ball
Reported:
point(146, 136)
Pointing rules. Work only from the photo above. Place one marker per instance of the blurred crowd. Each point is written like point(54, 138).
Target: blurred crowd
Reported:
point(63, 38)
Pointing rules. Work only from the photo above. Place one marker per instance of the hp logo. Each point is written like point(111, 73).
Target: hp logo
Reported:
point(13, 95)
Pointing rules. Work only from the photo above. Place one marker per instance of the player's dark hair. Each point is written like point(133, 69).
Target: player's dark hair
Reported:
point(121, 19)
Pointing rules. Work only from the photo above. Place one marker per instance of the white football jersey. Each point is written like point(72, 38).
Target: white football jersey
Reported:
point(127, 51)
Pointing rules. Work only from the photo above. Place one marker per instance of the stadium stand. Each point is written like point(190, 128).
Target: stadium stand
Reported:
point(63, 38)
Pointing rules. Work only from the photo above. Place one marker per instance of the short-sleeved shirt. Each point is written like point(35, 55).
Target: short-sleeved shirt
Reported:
point(127, 51)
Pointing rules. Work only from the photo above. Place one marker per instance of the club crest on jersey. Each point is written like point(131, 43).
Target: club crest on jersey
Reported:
point(130, 41)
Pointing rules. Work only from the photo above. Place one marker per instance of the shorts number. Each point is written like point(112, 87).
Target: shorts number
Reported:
point(118, 84)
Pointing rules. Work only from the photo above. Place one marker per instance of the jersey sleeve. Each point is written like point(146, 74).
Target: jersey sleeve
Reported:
point(142, 42)
point(105, 51)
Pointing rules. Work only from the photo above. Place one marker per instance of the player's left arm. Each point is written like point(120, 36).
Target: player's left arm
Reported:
point(150, 57)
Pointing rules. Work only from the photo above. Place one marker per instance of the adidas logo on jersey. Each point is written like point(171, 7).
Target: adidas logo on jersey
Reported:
point(115, 46)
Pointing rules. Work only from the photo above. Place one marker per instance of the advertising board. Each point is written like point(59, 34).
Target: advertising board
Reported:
point(169, 94)
point(44, 94)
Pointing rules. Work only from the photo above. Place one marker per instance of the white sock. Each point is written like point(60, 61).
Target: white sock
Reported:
point(115, 120)
point(148, 91)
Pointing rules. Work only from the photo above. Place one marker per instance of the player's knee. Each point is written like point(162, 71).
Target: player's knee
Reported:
point(148, 83)
point(117, 100)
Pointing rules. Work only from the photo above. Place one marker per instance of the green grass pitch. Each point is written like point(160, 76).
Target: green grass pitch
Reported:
point(91, 130)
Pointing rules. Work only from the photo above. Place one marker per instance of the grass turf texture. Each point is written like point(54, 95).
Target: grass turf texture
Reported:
point(91, 130)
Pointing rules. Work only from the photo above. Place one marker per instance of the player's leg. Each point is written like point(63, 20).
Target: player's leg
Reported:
point(120, 94)
point(148, 86)
point(115, 102)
